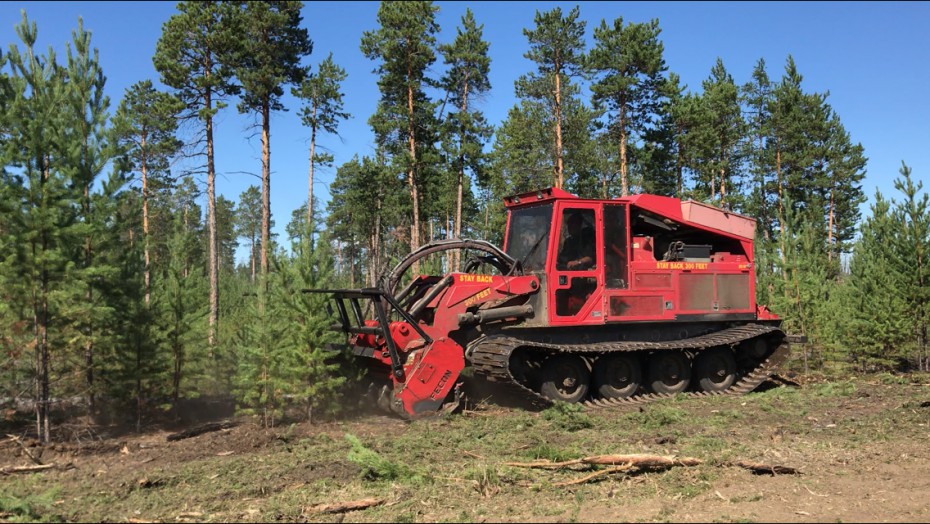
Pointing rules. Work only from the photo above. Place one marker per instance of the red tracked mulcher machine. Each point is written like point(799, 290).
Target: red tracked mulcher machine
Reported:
point(662, 303)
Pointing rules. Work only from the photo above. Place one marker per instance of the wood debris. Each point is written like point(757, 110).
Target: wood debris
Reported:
point(342, 507)
point(200, 430)
point(764, 469)
point(14, 438)
point(642, 462)
point(25, 469)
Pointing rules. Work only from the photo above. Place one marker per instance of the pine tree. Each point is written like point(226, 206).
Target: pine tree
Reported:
point(179, 294)
point(912, 261)
point(465, 81)
point(557, 48)
point(879, 315)
point(720, 128)
point(323, 109)
point(629, 64)
point(190, 58)
point(249, 223)
point(89, 149)
point(43, 229)
point(843, 192)
point(362, 214)
point(757, 99)
point(313, 377)
point(227, 237)
point(273, 44)
point(146, 127)
point(404, 46)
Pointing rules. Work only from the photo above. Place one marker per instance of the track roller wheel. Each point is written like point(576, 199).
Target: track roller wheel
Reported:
point(617, 376)
point(669, 372)
point(565, 378)
point(715, 369)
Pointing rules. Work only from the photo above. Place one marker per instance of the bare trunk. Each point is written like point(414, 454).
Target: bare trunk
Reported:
point(138, 389)
point(211, 231)
point(252, 258)
point(266, 185)
point(42, 349)
point(830, 226)
point(89, 300)
point(723, 178)
point(679, 164)
point(41, 334)
point(624, 164)
point(145, 223)
point(762, 196)
point(781, 218)
point(310, 184)
point(411, 178)
point(375, 249)
point(457, 255)
point(559, 171)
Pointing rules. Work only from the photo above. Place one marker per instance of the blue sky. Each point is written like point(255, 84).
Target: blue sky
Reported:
point(872, 57)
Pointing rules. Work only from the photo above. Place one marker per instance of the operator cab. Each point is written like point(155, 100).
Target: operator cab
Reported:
point(637, 258)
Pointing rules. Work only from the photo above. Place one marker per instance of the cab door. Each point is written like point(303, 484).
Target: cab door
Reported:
point(576, 266)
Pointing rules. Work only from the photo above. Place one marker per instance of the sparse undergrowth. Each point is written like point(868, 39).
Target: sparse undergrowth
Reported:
point(861, 438)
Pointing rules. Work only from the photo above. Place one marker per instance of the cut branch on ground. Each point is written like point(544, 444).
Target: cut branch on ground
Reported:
point(342, 507)
point(642, 462)
point(200, 430)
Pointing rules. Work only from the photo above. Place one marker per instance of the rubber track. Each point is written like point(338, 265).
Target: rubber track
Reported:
point(490, 357)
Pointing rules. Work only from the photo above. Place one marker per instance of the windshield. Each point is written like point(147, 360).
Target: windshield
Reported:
point(528, 237)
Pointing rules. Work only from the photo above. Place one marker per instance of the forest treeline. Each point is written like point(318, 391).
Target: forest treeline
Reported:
point(119, 284)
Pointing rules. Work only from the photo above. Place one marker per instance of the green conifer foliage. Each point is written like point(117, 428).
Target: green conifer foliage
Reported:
point(557, 48)
point(405, 124)
point(629, 64)
point(321, 93)
point(193, 57)
point(465, 130)
point(268, 58)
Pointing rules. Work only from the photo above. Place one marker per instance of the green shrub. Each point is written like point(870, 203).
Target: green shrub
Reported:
point(569, 417)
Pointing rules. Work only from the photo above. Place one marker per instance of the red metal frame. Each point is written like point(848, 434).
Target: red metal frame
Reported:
point(423, 363)
point(597, 308)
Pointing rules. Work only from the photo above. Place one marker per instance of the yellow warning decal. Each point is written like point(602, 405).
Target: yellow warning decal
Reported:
point(480, 279)
point(682, 265)
point(478, 296)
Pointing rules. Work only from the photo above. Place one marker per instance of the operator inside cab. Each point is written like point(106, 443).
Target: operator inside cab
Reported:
point(577, 253)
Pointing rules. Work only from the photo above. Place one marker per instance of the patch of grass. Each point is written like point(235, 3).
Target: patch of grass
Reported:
point(31, 508)
point(657, 416)
point(834, 389)
point(544, 451)
point(689, 482)
point(486, 480)
point(890, 379)
point(568, 417)
point(374, 466)
point(707, 446)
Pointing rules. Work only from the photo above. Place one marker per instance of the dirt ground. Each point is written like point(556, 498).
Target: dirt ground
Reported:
point(860, 445)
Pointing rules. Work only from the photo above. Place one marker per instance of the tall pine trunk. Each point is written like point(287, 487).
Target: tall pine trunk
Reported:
point(680, 162)
point(40, 309)
point(89, 300)
point(211, 228)
point(559, 171)
point(411, 176)
point(724, 159)
point(783, 231)
point(830, 246)
point(310, 184)
point(457, 255)
point(266, 184)
point(145, 222)
point(624, 164)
